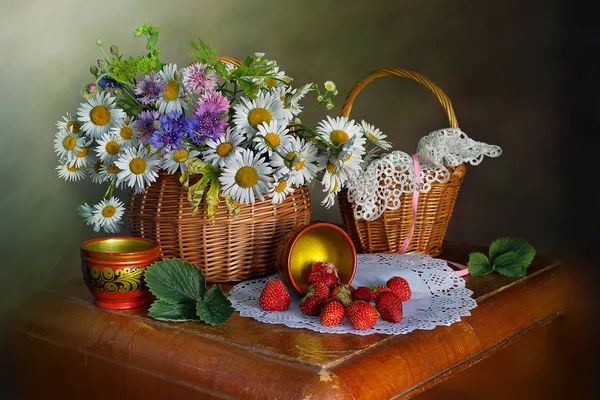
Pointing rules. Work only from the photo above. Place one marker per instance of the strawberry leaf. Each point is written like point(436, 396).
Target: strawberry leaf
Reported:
point(479, 264)
point(215, 309)
point(175, 281)
point(509, 264)
point(165, 311)
point(523, 251)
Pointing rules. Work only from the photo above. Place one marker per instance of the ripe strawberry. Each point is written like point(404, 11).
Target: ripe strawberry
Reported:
point(311, 304)
point(332, 313)
point(363, 293)
point(361, 315)
point(325, 266)
point(377, 289)
point(274, 296)
point(400, 286)
point(328, 279)
point(342, 293)
point(389, 306)
point(319, 289)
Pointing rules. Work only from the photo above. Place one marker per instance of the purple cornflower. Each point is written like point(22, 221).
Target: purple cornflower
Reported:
point(151, 87)
point(172, 128)
point(146, 125)
point(210, 117)
point(198, 78)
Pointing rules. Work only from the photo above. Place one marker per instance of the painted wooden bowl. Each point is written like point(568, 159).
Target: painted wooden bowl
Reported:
point(113, 270)
point(319, 241)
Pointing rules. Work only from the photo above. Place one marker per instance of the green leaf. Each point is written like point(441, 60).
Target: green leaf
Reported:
point(175, 281)
point(166, 311)
point(479, 264)
point(523, 250)
point(152, 41)
point(215, 309)
point(508, 264)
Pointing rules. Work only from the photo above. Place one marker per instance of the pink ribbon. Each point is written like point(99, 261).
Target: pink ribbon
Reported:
point(463, 269)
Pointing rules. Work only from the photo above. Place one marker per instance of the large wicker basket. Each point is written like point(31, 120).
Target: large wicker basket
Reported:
point(387, 234)
point(228, 250)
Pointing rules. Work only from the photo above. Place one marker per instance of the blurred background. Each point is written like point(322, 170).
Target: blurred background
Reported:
point(513, 70)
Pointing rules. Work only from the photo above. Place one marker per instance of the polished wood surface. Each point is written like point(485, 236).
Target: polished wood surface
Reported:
point(67, 346)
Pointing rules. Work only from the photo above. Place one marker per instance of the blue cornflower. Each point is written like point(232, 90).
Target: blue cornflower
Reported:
point(167, 137)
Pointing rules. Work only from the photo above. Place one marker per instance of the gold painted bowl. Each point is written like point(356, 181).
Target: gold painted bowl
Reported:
point(319, 241)
point(113, 270)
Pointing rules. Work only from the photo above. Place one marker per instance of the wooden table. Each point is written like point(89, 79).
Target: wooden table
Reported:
point(62, 345)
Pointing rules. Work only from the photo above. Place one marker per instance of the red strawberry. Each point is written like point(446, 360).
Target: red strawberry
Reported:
point(274, 296)
point(319, 289)
point(311, 304)
point(325, 266)
point(361, 315)
point(332, 313)
point(342, 293)
point(400, 286)
point(377, 289)
point(363, 293)
point(389, 306)
point(328, 279)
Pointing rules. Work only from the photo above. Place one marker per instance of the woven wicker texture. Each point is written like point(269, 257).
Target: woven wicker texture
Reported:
point(387, 233)
point(230, 249)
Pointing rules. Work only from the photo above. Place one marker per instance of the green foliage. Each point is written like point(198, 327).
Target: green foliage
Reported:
point(508, 257)
point(180, 289)
point(206, 54)
point(209, 175)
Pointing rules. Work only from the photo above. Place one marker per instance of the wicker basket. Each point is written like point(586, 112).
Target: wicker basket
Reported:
point(388, 232)
point(230, 249)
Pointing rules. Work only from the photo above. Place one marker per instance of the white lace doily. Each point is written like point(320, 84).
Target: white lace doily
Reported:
point(439, 296)
point(386, 179)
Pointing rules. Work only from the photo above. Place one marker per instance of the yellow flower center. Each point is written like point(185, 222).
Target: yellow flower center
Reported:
point(97, 166)
point(258, 116)
point(100, 115)
point(112, 147)
point(69, 142)
point(72, 168)
point(372, 138)
point(73, 126)
point(273, 139)
point(126, 133)
point(108, 211)
point(246, 177)
point(290, 155)
point(137, 165)
point(338, 137)
point(331, 167)
point(82, 153)
point(281, 186)
point(112, 169)
point(299, 165)
point(126, 121)
point(224, 149)
point(179, 155)
point(172, 91)
point(271, 81)
point(348, 157)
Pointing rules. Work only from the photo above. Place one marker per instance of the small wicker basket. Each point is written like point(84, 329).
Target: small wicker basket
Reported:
point(388, 232)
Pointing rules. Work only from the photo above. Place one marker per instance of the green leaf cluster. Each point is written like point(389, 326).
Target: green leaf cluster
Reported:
point(181, 295)
point(507, 256)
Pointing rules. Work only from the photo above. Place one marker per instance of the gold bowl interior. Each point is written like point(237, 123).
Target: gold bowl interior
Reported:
point(118, 245)
point(322, 243)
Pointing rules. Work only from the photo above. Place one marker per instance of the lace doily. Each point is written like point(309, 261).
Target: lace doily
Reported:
point(386, 179)
point(439, 296)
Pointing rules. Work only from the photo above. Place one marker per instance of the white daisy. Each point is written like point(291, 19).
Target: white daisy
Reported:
point(108, 172)
point(341, 132)
point(138, 168)
point(86, 212)
point(221, 151)
point(304, 158)
point(70, 172)
point(173, 97)
point(297, 95)
point(95, 172)
point(245, 177)
point(279, 190)
point(329, 86)
point(70, 125)
point(271, 136)
point(108, 148)
point(83, 158)
point(375, 136)
point(276, 79)
point(124, 130)
point(331, 184)
point(99, 115)
point(107, 215)
point(175, 160)
point(249, 114)
point(347, 165)
point(66, 145)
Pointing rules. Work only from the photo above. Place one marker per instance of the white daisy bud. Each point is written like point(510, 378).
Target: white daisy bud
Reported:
point(330, 86)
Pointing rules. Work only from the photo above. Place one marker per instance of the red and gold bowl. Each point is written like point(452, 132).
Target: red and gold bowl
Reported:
point(319, 241)
point(113, 270)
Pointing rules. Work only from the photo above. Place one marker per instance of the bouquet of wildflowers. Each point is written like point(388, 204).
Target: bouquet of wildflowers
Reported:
point(236, 125)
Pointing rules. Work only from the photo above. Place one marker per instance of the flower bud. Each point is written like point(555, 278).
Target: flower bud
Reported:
point(94, 70)
point(101, 64)
point(320, 98)
point(99, 42)
point(329, 106)
point(116, 91)
point(88, 91)
point(114, 50)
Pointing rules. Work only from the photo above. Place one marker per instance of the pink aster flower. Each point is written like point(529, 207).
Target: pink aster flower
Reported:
point(199, 77)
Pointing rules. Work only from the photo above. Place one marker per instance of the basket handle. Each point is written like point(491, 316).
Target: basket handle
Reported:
point(403, 73)
point(230, 60)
